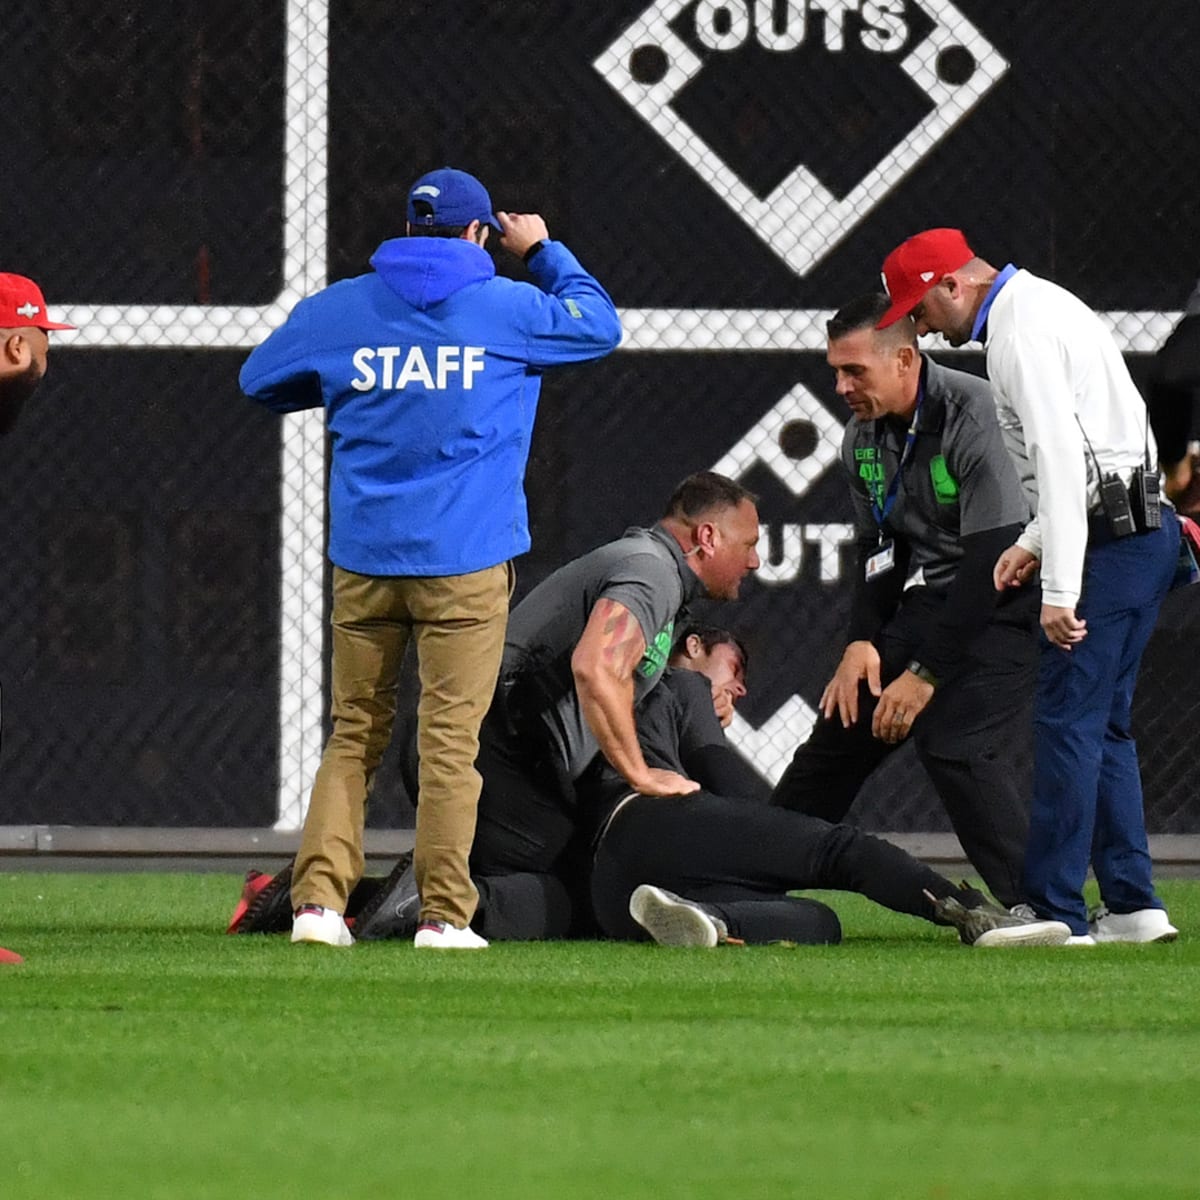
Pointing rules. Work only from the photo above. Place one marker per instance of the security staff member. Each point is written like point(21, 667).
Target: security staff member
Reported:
point(1107, 559)
point(428, 368)
point(583, 648)
point(932, 650)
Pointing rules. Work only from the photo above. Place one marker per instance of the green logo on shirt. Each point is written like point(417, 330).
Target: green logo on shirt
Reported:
point(945, 486)
point(870, 471)
point(573, 308)
point(658, 651)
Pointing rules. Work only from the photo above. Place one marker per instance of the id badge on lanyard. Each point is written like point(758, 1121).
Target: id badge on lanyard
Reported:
point(882, 561)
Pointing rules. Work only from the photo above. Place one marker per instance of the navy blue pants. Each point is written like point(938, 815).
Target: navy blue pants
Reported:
point(1087, 801)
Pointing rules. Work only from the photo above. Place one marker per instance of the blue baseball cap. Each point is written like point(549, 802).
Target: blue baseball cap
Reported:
point(455, 197)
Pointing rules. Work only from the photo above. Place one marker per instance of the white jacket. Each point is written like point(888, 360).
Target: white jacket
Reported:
point(1057, 373)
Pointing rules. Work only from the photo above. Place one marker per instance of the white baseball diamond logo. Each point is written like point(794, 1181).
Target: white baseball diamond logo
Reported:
point(801, 220)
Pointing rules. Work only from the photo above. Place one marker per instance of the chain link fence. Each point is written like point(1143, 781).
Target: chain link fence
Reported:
point(731, 171)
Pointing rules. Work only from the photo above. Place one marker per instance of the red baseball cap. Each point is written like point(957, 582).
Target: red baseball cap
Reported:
point(917, 265)
point(22, 304)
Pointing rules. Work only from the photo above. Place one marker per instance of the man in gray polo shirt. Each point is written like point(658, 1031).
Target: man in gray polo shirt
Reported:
point(933, 649)
point(581, 650)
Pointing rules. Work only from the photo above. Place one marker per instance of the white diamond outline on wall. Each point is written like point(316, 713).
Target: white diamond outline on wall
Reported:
point(801, 220)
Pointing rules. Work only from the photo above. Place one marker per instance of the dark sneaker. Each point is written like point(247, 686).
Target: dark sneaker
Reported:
point(266, 903)
point(990, 925)
point(394, 910)
point(673, 921)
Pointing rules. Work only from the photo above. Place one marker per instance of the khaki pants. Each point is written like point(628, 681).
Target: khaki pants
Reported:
point(458, 622)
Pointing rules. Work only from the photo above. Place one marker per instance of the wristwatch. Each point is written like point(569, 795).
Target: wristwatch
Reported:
point(922, 672)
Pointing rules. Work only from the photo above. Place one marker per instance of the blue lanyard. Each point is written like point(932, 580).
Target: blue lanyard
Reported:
point(889, 500)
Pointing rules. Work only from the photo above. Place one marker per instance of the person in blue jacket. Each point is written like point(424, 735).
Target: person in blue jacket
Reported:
point(429, 369)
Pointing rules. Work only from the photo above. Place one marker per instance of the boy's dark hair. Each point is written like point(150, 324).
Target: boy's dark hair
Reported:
point(865, 312)
point(710, 636)
point(704, 491)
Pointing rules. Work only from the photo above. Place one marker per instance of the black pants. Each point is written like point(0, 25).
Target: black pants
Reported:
point(975, 739)
point(740, 858)
point(525, 861)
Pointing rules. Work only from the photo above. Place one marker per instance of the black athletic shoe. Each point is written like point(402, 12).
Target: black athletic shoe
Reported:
point(990, 925)
point(269, 907)
point(394, 909)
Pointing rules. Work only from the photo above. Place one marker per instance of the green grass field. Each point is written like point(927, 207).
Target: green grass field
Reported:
point(143, 1054)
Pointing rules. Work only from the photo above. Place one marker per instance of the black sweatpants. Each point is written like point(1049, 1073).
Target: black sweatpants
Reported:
point(740, 858)
point(975, 739)
point(524, 855)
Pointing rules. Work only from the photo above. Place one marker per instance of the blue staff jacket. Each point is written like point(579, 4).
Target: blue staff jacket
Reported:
point(429, 371)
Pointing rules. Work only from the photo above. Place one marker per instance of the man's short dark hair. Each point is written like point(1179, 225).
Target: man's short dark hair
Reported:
point(865, 312)
point(424, 209)
point(704, 491)
point(710, 636)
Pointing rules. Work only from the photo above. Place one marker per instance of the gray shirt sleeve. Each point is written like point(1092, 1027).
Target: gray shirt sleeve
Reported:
point(990, 493)
point(648, 586)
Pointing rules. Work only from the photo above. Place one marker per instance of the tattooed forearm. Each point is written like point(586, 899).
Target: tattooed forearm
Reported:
point(622, 643)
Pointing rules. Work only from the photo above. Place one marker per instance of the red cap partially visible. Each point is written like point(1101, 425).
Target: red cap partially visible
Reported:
point(22, 304)
point(916, 265)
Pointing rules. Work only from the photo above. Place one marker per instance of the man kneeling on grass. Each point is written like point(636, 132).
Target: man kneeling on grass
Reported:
point(734, 857)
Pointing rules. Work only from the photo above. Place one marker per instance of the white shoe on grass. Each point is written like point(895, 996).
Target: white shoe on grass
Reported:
point(441, 935)
point(320, 926)
point(1080, 939)
point(1145, 925)
point(673, 921)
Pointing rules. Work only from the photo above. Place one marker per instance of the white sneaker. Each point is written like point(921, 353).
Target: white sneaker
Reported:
point(1080, 939)
point(441, 935)
point(1145, 925)
point(673, 921)
point(1029, 933)
point(320, 926)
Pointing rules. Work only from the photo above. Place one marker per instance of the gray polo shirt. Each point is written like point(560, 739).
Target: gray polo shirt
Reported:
point(645, 572)
point(958, 478)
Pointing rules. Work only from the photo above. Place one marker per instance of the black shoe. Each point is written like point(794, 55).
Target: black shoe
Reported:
point(393, 911)
point(269, 909)
point(990, 925)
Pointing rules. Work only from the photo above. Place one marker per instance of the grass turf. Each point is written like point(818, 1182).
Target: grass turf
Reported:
point(144, 1054)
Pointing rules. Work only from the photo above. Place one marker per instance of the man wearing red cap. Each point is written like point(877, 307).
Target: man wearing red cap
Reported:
point(24, 346)
point(1107, 554)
